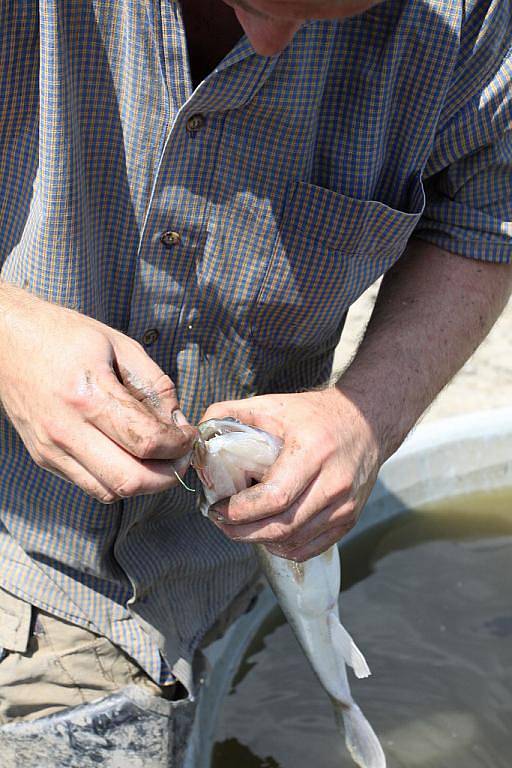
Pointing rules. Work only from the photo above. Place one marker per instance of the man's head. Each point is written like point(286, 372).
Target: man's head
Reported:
point(271, 24)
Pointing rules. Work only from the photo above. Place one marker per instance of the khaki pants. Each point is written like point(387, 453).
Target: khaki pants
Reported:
point(48, 664)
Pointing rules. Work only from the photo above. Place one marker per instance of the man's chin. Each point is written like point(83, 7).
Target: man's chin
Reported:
point(268, 36)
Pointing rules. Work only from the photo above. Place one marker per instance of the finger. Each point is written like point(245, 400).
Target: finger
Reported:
point(326, 501)
point(280, 488)
point(148, 384)
point(146, 381)
point(182, 464)
point(303, 522)
point(248, 411)
point(106, 403)
point(67, 468)
point(117, 470)
point(315, 547)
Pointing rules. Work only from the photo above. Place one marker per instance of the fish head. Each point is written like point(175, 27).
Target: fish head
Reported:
point(200, 450)
point(229, 456)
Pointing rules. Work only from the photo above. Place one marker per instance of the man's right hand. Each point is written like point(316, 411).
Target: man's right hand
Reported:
point(88, 402)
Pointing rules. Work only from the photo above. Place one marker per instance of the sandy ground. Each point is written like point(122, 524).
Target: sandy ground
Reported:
point(484, 382)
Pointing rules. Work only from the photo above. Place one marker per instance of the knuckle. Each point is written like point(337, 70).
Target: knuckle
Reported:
point(77, 398)
point(281, 499)
point(231, 515)
point(128, 487)
point(278, 533)
point(164, 386)
point(329, 496)
point(57, 433)
point(160, 440)
point(146, 448)
point(346, 486)
point(105, 497)
point(181, 441)
point(98, 492)
point(350, 514)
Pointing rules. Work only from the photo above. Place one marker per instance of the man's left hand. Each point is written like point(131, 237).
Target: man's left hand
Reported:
point(313, 494)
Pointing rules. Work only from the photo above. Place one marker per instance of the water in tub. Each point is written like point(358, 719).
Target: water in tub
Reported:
point(429, 596)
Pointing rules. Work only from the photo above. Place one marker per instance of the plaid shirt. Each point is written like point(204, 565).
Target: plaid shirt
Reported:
point(286, 185)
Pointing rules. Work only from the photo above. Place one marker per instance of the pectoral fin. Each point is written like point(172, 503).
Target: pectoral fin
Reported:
point(351, 653)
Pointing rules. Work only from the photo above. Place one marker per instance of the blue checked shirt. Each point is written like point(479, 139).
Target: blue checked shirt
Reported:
point(286, 185)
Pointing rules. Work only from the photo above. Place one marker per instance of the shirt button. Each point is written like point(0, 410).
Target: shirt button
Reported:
point(195, 123)
point(170, 238)
point(150, 336)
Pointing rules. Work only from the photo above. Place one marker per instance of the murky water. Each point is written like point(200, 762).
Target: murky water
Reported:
point(428, 597)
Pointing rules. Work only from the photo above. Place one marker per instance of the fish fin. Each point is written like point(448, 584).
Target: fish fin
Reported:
point(351, 653)
point(361, 740)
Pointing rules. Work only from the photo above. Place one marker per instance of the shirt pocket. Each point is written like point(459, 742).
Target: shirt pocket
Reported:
point(330, 247)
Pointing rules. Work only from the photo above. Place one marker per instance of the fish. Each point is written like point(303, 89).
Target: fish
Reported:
point(230, 456)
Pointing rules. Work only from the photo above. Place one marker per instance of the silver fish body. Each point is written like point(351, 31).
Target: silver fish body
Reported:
point(228, 457)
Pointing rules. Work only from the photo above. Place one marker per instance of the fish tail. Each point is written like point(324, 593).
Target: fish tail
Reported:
point(360, 738)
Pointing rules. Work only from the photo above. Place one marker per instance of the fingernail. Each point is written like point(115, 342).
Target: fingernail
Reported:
point(215, 514)
point(179, 418)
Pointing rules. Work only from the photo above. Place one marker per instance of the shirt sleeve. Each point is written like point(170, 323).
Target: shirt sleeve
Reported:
point(468, 179)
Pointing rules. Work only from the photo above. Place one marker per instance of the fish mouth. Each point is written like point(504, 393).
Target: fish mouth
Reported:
point(217, 427)
point(207, 430)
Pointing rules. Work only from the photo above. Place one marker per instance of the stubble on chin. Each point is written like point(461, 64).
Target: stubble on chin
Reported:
point(247, 7)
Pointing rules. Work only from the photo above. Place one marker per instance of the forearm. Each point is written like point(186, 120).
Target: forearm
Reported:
point(433, 310)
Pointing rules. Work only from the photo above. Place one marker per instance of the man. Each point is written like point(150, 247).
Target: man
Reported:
point(185, 207)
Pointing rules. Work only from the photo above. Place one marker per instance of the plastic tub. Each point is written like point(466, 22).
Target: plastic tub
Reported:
point(443, 459)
